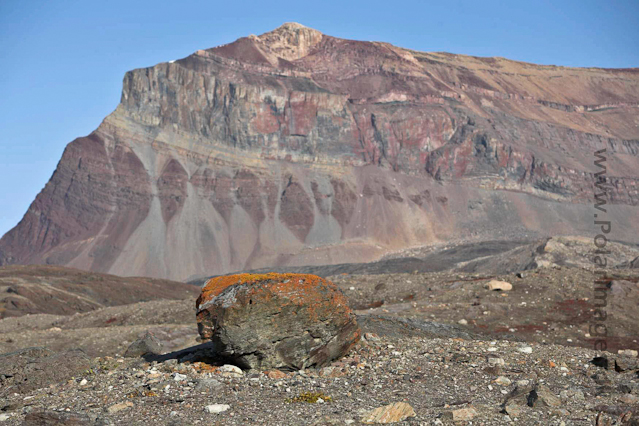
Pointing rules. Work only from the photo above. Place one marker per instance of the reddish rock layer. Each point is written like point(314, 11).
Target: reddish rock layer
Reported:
point(295, 147)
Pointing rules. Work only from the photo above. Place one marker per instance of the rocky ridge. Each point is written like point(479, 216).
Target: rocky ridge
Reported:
point(57, 290)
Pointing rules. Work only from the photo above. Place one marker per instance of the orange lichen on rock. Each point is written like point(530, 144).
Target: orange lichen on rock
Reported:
point(205, 368)
point(276, 320)
point(286, 282)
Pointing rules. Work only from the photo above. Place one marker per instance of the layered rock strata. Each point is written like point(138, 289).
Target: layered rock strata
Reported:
point(295, 147)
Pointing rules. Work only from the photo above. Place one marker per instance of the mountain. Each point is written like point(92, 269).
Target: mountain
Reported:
point(298, 148)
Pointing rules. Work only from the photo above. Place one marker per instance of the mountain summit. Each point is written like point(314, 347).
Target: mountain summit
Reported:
point(295, 147)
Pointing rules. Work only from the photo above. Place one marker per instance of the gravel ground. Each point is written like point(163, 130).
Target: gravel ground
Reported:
point(435, 376)
point(456, 352)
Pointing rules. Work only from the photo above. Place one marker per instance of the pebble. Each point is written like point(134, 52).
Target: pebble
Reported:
point(461, 415)
point(496, 285)
point(628, 398)
point(513, 409)
point(503, 381)
point(207, 384)
point(275, 374)
point(496, 361)
point(389, 413)
point(526, 350)
point(179, 377)
point(628, 352)
point(462, 322)
point(228, 370)
point(217, 408)
point(119, 407)
point(547, 397)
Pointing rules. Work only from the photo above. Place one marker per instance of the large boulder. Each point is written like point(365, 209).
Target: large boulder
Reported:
point(285, 321)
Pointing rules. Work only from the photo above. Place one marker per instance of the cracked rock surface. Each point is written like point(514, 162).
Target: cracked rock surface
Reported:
point(285, 321)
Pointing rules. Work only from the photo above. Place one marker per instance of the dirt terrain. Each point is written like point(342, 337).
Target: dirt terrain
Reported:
point(443, 379)
point(439, 341)
point(38, 289)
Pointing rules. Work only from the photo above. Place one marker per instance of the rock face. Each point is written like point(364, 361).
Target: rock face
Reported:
point(295, 148)
point(285, 321)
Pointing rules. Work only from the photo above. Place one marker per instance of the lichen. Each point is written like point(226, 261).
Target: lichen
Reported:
point(215, 286)
point(310, 397)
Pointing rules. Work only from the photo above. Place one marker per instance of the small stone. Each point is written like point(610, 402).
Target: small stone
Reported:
point(119, 407)
point(83, 382)
point(496, 361)
point(147, 344)
point(628, 352)
point(628, 398)
point(546, 397)
point(4, 417)
point(217, 408)
point(462, 322)
point(461, 415)
point(331, 372)
point(495, 285)
point(207, 384)
point(503, 381)
point(275, 374)
point(371, 337)
point(624, 363)
point(228, 370)
point(513, 409)
point(179, 377)
point(389, 413)
point(526, 350)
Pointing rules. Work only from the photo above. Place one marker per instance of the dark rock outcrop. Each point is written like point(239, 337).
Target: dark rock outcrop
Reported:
point(285, 321)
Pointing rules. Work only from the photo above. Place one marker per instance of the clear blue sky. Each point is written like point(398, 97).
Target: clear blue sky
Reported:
point(62, 62)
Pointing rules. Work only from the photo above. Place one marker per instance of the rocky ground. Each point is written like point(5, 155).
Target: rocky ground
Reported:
point(441, 342)
point(443, 380)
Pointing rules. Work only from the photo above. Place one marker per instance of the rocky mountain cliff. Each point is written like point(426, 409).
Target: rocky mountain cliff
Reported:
point(295, 148)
